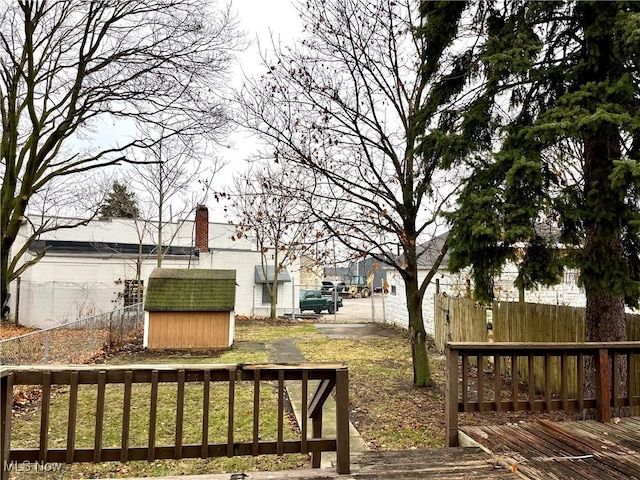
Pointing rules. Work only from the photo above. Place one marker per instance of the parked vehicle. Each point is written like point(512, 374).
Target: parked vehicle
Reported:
point(359, 287)
point(314, 300)
point(329, 286)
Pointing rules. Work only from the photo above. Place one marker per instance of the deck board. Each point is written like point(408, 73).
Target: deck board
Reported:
point(437, 464)
point(583, 450)
point(441, 464)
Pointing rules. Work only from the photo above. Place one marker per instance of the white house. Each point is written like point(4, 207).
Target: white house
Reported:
point(457, 284)
point(91, 269)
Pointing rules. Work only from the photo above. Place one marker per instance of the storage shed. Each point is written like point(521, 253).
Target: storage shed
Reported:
point(190, 309)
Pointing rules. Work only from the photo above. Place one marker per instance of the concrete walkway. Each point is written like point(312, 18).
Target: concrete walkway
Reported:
point(285, 350)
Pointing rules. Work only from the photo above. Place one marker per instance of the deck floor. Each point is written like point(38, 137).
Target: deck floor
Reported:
point(565, 450)
point(542, 450)
point(438, 464)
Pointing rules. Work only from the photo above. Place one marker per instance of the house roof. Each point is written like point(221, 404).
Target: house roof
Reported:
point(127, 231)
point(428, 252)
point(107, 248)
point(191, 290)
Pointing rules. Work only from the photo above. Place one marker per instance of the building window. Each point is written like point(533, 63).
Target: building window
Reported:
point(393, 290)
point(265, 294)
point(131, 291)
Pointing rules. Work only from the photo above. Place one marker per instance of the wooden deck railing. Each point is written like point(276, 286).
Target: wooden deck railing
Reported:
point(326, 376)
point(486, 377)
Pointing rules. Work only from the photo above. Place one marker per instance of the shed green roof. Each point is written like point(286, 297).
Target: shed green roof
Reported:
point(191, 290)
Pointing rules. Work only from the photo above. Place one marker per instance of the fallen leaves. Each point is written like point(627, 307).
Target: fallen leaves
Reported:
point(8, 330)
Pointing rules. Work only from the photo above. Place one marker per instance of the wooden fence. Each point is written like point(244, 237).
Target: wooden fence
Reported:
point(198, 380)
point(532, 322)
point(458, 320)
point(470, 389)
point(462, 320)
point(535, 322)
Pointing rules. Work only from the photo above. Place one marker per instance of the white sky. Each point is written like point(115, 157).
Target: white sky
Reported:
point(259, 19)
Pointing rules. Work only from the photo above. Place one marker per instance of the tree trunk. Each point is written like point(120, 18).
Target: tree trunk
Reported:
point(273, 288)
point(603, 263)
point(9, 228)
point(4, 283)
point(603, 251)
point(274, 301)
point(273, 295)
point(139, 261)
point(605, 319)
point(159, 240)
point(421, 366)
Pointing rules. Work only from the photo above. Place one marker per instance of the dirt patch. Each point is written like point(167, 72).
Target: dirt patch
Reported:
point(355, 330)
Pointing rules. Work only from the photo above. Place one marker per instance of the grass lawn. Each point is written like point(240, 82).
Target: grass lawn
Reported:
point(388, 411)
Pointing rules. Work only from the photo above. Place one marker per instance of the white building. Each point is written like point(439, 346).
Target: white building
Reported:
point(458, 284)
point(91, 269)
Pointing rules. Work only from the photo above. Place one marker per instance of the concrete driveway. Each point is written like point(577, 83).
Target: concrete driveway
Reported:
point(358, 310)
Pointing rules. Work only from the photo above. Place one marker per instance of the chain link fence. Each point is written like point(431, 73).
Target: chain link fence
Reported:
point(77, 342)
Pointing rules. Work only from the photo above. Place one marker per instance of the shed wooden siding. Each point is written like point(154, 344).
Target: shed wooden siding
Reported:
point(189, 330)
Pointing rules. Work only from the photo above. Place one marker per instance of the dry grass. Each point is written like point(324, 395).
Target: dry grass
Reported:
point(388, 411)
point(267, 331)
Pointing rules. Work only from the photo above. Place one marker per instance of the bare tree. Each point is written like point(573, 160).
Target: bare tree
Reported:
point(349, 106)
point(270, 214)
point(68, 68)
point(174, 166)
point(128, 206)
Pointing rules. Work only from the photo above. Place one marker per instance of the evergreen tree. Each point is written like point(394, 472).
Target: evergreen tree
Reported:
point(560, 97)
point(120, 203)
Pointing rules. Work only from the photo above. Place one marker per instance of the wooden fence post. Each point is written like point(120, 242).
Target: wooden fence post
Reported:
point(6, 404)
point(451, 398)
point(316, 432)
point(603, 385)
point(342, 422)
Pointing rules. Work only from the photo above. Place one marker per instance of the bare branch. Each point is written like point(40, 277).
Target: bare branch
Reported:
point(68, 68)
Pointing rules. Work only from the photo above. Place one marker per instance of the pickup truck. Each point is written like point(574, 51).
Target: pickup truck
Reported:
point(313, 300)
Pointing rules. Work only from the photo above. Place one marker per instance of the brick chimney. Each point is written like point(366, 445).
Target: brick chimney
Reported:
point(202, 228)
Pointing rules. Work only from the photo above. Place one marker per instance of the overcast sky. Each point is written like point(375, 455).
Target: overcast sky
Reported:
point(259, 19)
